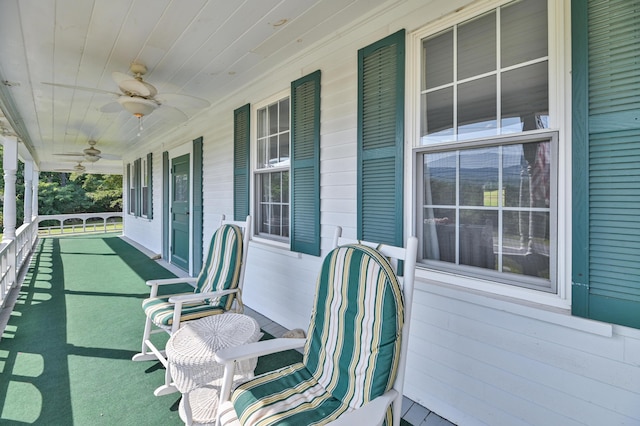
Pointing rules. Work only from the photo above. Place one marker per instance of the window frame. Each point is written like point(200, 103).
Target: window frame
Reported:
point(559, 66)
point(257, 173)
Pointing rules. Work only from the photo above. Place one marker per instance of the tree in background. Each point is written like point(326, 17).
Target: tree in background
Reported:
point(63, 193)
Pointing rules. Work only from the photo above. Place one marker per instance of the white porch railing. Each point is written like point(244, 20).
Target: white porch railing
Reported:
point(13, 255)
point(111, 221)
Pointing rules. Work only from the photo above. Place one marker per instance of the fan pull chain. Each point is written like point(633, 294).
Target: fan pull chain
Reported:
point(140, 128)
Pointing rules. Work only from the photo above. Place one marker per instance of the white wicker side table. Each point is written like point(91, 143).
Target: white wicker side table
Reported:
point(191, 355)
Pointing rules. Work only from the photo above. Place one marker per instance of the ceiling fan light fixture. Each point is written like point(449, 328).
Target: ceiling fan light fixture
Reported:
point(138, 107)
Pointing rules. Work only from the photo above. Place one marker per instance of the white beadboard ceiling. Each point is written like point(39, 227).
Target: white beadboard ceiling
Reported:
point(201, 48)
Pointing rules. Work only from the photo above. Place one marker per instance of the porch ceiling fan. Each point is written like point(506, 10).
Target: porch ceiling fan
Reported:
point(78, 168)
point(141, 98)
point(91, 154)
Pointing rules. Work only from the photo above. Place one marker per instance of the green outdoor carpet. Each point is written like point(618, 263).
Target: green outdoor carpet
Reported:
point(65, 355)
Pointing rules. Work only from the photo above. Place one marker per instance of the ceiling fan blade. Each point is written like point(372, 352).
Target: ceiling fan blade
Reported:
point(130, 85)
point(183, 101)
point(71, 154)
point(172, 113)
point(110, 157)
point(86, 89)
point(111, 107)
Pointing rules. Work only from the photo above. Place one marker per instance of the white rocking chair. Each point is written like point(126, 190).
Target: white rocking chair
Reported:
point(217, 290)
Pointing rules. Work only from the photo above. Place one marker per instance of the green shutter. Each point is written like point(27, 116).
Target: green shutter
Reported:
point(606, 150)
point(241, 141)
point(197, 205)
point(150, 187)
point(305, 164)
point(381, 140)
point(165, 204)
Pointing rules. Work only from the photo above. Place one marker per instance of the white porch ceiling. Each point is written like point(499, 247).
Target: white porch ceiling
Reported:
point(202, 48)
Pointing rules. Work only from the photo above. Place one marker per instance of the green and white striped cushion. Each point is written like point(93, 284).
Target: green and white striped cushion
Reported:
point(160, 310)
point(221, 271)
point(352, 350)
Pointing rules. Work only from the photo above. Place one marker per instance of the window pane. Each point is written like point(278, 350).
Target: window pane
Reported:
point(262, 122)
point(523, 34)
point(285, 187)
point(478, 230)
point(273, 151)
point(276, 187)
point(440, 179)
point(438, 60)
point(285, 220)
point(440, 234)
point(262, 153)
point(437, 124)
point(526, 243)
point(265, 185)
point(477, 46)
point(515, 177)
point(477, 108)
point(273, 118)
point(275, 220)
point(525, 98)
point(479, 173)
point(265, 219)
point(284, 115)
point(283, 142)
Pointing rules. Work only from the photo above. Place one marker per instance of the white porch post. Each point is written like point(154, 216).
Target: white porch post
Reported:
point(10, 164)
point(28, 191)
point(34, 199)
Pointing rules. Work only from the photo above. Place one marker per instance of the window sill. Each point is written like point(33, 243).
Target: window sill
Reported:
point(538, 311)
point(276, 247)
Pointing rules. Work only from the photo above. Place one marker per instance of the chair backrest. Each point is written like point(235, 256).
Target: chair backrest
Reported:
point(355, 346)
point(226, 259)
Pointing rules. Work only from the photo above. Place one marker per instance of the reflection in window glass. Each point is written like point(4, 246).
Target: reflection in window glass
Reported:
point(489, 208)
point(438, 60)
point(500, 84)
point(438, 121)
point(274, 204)
point(523, 31)
point(525, 97)
point(477, 46)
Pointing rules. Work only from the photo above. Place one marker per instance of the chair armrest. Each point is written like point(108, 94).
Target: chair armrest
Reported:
point(197, 297)
point(229, 356)
point(256, 349)
point(372, 413)
point(164, 281)
point(155, 283)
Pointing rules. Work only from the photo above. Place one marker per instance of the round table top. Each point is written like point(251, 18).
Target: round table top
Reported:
point(191, 350)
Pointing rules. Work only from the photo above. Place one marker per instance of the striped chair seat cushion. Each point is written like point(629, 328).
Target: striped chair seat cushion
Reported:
point(289, 396)
point(161, 311)
point(352, 350)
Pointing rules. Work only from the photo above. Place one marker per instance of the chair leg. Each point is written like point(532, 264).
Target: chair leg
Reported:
point(145, 355)
point(168, 387)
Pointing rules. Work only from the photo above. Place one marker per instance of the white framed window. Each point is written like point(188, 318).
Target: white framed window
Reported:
point(272, 189)
point(132, 188)
point(144, 180)
point(486, 158)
